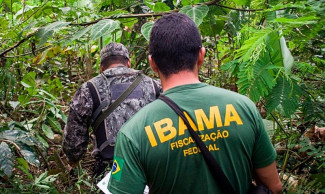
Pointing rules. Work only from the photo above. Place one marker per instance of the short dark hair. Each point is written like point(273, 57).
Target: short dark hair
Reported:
point(108, 61)
point(174, 43)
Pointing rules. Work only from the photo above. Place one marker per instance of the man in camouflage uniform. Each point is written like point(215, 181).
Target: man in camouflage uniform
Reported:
point(116, 75)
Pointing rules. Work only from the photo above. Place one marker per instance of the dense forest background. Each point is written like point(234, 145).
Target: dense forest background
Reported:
point(270, 50)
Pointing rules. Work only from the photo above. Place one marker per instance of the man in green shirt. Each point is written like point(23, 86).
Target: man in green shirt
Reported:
point(155, 147)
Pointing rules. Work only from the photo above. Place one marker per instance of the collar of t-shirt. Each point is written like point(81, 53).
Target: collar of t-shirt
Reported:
point(185, 87)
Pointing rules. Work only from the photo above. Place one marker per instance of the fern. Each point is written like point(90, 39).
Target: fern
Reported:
point(258, 85)
point(284, 96)
point(254, 46)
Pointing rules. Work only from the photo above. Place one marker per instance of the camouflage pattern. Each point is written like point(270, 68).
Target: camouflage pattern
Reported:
point(113, 49)
point(76, 135)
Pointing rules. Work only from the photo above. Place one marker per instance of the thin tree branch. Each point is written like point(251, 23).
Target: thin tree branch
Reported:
point(17, 44)
point(28, 53)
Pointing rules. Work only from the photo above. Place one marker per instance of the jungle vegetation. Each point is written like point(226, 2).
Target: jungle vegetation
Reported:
point(270, 50)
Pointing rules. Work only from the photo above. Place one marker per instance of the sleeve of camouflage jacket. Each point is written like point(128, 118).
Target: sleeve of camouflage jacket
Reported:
point(76, 135)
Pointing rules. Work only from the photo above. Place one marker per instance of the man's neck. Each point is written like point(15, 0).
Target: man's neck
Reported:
point(178, 79)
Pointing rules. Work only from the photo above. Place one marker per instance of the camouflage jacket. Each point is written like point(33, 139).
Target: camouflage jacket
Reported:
point(76, 134)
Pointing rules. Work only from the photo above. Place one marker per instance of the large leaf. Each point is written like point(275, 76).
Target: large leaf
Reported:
point(6, 159)
point(80, 33)
point(54, 123)
point(160, 7)
point(29, 80)
point(284, 95)
point(146, 30)
point(47, 131)
point(236, 20)
point(46, 32)
point(196, 13)
point(103, 27)
point(25, 11)
point(298, 21)
point(18, 136)
point(28, 154)
point(213, 23)
point(280, 54)
point(287, 58)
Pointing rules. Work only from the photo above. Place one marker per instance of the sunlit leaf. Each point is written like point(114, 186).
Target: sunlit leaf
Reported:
point(146, 30)
point(298, 21)
point(160, 7)
point(103, 27)
point(286, 56)
point(196, 13)
point(29, 80)
point(14, 104)
point(22, 162)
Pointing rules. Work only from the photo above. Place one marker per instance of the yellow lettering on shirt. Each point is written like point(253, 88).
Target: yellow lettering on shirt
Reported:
point(201, 118)
point(165, 129)
point(182, 126)
point(231, 115)
point(151, 137)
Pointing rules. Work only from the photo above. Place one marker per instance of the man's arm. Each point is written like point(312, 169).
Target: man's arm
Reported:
point(127, 171)
point(268, 176)
point(76, 136)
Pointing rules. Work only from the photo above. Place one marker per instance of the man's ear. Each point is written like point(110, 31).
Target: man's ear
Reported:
point(101, 68)
point(153, 64)
point(129, 64)
point(201, 56)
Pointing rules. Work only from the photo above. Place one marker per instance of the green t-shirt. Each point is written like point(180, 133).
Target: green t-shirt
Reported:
point(155, 148)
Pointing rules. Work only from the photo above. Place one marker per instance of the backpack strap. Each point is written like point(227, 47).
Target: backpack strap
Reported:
point(96, 106)
point(95, 96)
point(157, 91)
point(117, 102)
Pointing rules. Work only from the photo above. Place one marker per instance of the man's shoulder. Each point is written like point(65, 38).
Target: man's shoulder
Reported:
point(139, 119)
point(231, 95)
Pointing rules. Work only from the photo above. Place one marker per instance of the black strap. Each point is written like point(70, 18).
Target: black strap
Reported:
point(99, 110)
point(117, 102)
point(213, 165)
point(157, 90)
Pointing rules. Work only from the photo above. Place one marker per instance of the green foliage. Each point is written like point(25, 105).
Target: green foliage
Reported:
point(20, 141)
point(46, 32)
point(146, 30)
point(6, 159)
point(196, 13)
point(285, 95)
point(102, 28)
point(272, 52)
